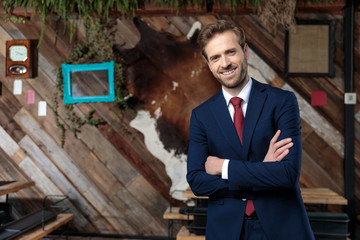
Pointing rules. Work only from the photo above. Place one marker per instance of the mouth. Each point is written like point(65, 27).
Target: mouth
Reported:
point(228, 73)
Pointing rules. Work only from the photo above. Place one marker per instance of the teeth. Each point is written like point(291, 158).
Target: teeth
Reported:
point(229, 72)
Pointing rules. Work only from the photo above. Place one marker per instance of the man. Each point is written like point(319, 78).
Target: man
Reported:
point(256, 165)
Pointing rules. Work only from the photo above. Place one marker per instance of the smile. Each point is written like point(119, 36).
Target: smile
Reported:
point(229, 72)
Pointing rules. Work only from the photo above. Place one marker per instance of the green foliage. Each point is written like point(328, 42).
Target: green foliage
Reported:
point(70, 9)
point(96, 48)
point(101, 9)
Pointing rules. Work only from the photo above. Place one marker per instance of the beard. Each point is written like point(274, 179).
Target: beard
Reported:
point(239, 82)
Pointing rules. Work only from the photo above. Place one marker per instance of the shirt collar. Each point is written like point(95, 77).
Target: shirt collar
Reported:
point(244, 93)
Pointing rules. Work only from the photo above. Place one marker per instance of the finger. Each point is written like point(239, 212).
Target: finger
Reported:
point(282, 142)
point(283, 148)
point(283, 151)
point(282, 155)
point(276, 136)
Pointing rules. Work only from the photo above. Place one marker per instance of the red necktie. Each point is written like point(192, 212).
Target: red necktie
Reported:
point(239, 123)
point(238, 116)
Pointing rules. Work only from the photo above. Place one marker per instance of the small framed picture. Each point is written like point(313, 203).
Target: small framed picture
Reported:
point(88, 82)
point(309, 49)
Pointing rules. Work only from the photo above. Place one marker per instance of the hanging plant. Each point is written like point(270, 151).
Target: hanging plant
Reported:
point(67, 9)
point(96, 48)
point(278, 12)
point(80, 9)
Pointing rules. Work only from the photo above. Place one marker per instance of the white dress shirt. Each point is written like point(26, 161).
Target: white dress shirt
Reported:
point(244, 95)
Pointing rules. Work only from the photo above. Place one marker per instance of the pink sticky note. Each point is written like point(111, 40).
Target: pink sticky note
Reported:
point(30, 96)
point(318, 98)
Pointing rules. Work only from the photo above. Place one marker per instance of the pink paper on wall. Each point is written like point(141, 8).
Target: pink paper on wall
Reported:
point(318, 98)
point(30, 96)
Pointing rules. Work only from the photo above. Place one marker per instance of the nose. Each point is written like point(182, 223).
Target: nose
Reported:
point(225, 63)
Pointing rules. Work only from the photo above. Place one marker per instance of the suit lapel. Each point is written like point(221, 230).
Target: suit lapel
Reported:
point(222, 116)
point(257, 99)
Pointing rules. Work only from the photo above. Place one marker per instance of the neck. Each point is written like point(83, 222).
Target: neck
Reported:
point(236, 90)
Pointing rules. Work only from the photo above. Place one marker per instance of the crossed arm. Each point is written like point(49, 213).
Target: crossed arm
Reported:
point(276, 152)
point(279, 168)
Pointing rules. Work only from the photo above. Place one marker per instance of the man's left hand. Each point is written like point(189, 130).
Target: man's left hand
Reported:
point(213, 165)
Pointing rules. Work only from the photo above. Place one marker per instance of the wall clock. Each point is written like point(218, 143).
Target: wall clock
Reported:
point(20, 58)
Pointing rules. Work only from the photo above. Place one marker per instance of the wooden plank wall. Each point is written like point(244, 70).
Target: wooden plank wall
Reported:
point(114, 183)
point(108, 194)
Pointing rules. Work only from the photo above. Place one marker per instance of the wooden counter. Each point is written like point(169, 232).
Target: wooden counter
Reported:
point(309, 195)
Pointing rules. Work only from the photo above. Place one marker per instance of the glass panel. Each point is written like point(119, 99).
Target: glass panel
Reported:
point(89, 83)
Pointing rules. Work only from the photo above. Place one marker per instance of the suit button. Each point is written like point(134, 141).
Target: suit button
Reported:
point(244, 199)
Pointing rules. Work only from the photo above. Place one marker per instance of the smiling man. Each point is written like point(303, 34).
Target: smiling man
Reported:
point(245, 148)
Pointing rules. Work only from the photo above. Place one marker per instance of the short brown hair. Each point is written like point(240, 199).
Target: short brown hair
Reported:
point(214, 28)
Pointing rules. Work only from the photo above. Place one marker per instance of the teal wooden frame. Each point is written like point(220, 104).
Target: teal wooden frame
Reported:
point(68, 68)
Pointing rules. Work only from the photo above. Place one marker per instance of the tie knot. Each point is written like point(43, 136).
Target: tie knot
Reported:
point(235, 101)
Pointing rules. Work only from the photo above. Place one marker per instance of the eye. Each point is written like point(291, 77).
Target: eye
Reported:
point(214, 58)
point(232, 52)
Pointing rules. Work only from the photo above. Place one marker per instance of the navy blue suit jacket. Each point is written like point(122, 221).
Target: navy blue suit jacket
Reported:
point(273, 186)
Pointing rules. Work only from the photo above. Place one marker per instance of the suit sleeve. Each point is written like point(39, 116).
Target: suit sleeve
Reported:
point(285, 174)
point(201, 183)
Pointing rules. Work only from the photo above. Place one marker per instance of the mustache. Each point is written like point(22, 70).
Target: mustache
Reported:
point(228, 67)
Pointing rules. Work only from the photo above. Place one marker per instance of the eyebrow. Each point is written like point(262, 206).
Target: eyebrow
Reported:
point(214, 56)
point(230, 50)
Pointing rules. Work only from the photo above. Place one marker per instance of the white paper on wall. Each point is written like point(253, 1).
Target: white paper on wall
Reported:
point(17, 87)
point(42, 108)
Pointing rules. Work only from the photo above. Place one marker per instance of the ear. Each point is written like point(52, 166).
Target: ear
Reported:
point(246, 51)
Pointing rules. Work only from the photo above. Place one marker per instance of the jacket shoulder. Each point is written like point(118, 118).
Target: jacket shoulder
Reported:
point(271, 90)
point(209, 102)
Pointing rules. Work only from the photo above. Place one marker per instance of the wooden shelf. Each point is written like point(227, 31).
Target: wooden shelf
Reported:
point(174, 214)
point(38, 232)
point(184, 234)
point(189, 194)
point(322, 196)
point(14, 187)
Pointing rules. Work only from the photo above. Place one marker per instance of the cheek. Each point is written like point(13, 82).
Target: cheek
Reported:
point(212, 68)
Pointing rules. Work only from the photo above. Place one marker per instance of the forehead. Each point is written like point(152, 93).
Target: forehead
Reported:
point(221, 42)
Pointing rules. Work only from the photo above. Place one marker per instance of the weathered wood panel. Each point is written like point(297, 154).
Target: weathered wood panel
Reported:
point(104, 179)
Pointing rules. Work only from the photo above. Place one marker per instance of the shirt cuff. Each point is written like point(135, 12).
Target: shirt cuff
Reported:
point(224, 173)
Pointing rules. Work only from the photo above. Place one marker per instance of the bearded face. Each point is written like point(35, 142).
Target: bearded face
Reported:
point(227, 61)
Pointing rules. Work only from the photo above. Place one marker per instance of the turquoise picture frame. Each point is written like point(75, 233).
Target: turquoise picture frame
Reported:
point(103, 73)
